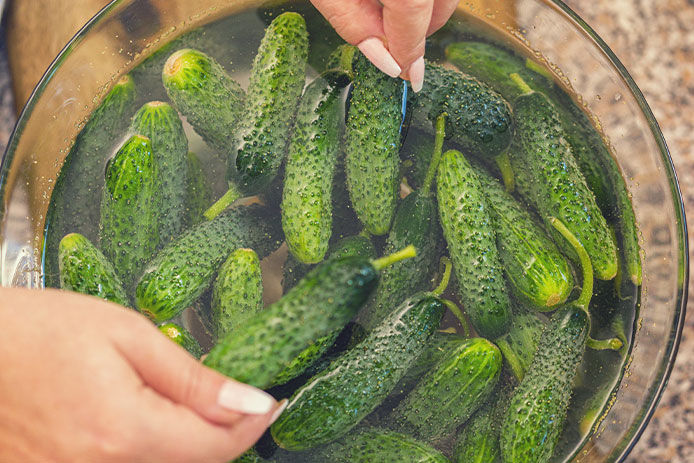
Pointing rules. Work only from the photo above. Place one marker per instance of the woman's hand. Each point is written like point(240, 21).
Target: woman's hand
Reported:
point(83, 380)
point(391, 33)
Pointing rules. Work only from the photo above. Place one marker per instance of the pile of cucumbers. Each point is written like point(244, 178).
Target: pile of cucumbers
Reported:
point(503, 187)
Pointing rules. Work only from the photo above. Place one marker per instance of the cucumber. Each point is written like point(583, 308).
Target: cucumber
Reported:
point(130, 206)
point(416, 152)
point(440, 345)
point(250, 456)
point(471, 238)
point(520, 343)
point(198, 192)
point(539, 274)
point(182, 337)
point(451, 392)
point(202, 91)
point(372, 143)
point(84, 269)
point(183, 269)
point(478, 442)
point(308, 177)
point(82, 175)
point(160, 123)
point(382, 446)
point(277, 78)
point(337, 399)
point(237, 293)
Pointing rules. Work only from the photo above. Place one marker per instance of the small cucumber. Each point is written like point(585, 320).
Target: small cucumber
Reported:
point(451, 392)
point(198, 192)
point(237, 293)
point(182, 337)
point(308, 176)
point(478, 442)
point(337, 399)
point(471, 238)
point(130, 206)
point(520, 343)
point(202, 91)
point(372, 143)
point(84, 269)
point(277, 78)
point(183, 269)
point(382, 446)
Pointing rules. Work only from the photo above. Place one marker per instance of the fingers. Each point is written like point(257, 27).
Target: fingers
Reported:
point(354, 20)
point(443, 9)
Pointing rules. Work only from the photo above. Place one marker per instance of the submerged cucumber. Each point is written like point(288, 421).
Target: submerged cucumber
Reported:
point(382, 446)
point(182, 337)
point(198, 192)
point(520, 343)
point(478, 442)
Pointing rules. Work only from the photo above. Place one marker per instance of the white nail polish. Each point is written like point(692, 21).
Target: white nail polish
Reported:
point(417, 74)
point(377, 53)
point(244, 399)
point(280, 408)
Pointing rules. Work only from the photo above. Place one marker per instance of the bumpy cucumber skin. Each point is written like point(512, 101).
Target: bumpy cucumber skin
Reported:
point(250, 456)
point(322, 302)
point(183, 269)
point(537, 411)
point(478, 119)
point(237, 293)
point(539, 274)
point(520, 343)
point(308, 176)
point(160, 123)
point(130, 221)
point(82, 176)
point(375, 445)
point(202, 91)
point(198, 192)
point(547, 176)
point(182, 337)
point(372, 143)
point(469, 232)
point(84, 269)
point(338, 398)
point(478, 442)
point(451, 392)
point(440, 344)
point(415, 223)
point(277, 78)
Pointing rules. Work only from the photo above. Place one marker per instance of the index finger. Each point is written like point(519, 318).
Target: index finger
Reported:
point(405, 23)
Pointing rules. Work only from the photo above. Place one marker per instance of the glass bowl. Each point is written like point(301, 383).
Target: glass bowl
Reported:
point(127, 31)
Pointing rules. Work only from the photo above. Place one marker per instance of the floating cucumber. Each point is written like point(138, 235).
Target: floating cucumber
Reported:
point(198, 192)
point(382, 446)
point(520, 343)
point(182, 337)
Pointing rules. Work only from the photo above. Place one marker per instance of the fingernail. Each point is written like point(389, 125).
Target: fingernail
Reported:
point(376, 52)
point(417, 74)
point(278, 411)
point(244, 399)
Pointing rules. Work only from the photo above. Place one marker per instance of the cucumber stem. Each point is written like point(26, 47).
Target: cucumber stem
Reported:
point(385, 261)
point(455, 310)
point(520, 83)
point(347, 60)
point(438, 152)
point(618, 327)
point(605, 344)
point(222, 203)
point(446, 265)
point(503, 162)
point(587, 290)
point(537, 67)
point(513, 361)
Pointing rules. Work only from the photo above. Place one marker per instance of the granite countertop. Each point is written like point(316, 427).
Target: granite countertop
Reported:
point(655, 41)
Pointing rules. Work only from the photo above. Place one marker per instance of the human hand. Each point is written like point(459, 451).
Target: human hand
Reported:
point(390, 33)
point(83, 380)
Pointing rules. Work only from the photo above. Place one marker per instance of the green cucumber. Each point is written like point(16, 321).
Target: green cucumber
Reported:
point(84, 269)
point(337, 399)
point(520, 343)
point(383, 446)
point(539, 274)
point(130, 221)
point(322, 302)
point(372, 143)
point(451, 392)
point(182, 337)
point(160, 123)
point(440, 344)
point(202, 91)
point(478, 442)
point(184, 269)
point(237, 293)
point(250, 456)
point(198, 192)
point(471, 238)
point(81, 177)
point(277, 78)
point(308, 176)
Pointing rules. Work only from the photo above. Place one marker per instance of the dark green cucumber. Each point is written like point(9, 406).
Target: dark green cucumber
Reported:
point(202, 91)
point(451, 392)
point(478, 442)
point(337, 399)
point(198, 192)
point(372, 143)
point(440, 345)
point(84, 269)
point(81, 178)
point(382, 446)
point(182, 337)
point(479, 119)
point(308, 175)
point(471, 238)
point(237, 293)
point(160, 123)
point(417, 149)
point(182, 270)
point(130, 220)
point(277, 78)
point(520, 343)
point(539, 274)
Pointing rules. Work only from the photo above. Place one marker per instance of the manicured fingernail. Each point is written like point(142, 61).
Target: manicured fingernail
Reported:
point(376, 52)
point(278, 411)
point(417, 74)
point(244, 399)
